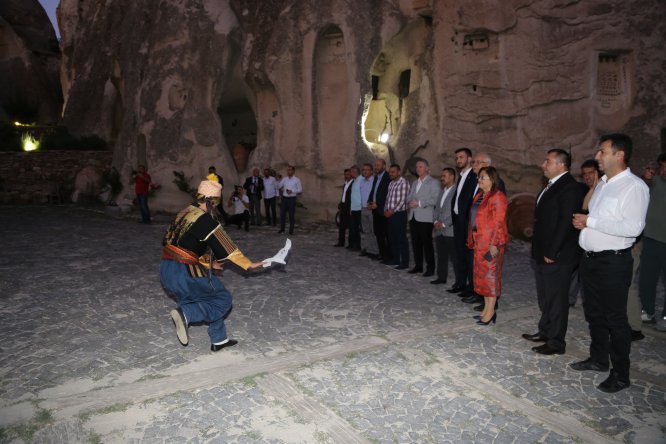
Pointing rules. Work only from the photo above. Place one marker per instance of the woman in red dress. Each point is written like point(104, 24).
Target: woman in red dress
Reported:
point(488, 236)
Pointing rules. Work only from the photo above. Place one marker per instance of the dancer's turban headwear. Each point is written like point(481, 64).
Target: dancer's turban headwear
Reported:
point(210, 187)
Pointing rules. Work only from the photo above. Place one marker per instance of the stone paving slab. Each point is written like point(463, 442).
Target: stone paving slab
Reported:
point(334, 348)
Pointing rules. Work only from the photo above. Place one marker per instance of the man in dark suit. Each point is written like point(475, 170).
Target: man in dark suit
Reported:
point(344, 207)
point(460, 205)
point(555, 251)
point(376, 202)
point(254, 185)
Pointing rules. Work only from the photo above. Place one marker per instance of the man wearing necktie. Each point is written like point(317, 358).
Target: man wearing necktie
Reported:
point(254, 185)
point(460, 205)
point(376, 202)
point(555, 251)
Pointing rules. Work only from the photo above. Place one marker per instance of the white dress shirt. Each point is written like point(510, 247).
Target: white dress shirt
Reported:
point(292, 183)
point(463, 177)
point(270, 187)
point(551, 182)
point(617, 213)
point(344, 189)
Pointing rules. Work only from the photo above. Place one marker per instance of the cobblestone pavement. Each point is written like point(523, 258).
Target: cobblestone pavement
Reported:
point(333, 348)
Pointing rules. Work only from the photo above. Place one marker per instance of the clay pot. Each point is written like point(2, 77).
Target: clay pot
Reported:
point(520, 215)
point(240, 153)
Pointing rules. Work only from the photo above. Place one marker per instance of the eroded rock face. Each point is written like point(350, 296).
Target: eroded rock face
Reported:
point(322, 85)
point(29, 64)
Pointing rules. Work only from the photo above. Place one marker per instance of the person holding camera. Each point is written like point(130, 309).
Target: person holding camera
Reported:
point(240, 204)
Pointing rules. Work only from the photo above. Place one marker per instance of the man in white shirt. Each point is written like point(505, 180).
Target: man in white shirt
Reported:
point(270, 197)
point(290, 187)
point(617, 216)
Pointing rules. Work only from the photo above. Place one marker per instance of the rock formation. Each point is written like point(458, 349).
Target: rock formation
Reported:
point(322, 85)
point(29, 64)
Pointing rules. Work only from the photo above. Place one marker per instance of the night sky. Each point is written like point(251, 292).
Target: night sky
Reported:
point(50, 7)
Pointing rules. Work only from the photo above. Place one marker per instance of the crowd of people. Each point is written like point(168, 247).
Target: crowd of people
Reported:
point(589, 237)
point(461, 218)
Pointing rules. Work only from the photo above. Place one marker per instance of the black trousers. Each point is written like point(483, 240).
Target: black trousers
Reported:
point(288, 207)
point(464, 259)
point(422, 244)
point(271, 214)
point(240, 219)
point(445, 247)
point(255, 209)
point(552, 287)
point(606, 281)
point(397, 228)
point(379, 226)
point(355, 230)
point(345, 219)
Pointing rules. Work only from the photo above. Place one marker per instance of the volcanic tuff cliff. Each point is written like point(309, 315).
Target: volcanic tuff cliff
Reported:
point(29, 64)
point(181, 85)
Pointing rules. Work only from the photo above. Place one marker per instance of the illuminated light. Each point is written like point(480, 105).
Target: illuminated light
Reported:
point(29, 143)
point(384, 138)
point(17, 123)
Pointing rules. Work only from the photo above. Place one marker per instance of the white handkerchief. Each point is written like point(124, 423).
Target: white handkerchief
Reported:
point(280, 257)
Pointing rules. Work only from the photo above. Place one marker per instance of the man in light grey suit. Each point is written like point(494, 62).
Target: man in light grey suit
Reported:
point(443, 225)
point(422, 200)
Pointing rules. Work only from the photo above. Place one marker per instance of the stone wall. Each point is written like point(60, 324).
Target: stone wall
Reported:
point(322, 85)
point(42, 177)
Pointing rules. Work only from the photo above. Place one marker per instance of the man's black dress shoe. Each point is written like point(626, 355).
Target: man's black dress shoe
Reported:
point(415, 270)
point(637, 335)
point(546, 349)
point(438, 281)
point(536, 337)
point(218, 347)
point(428, 274)
point(472, 299)
point(589, 364)
point(401, 267)
point(363, 253)
point(455, 289)
point(613, 384)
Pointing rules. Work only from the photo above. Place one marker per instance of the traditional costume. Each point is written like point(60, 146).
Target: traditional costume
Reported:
point(186, 267)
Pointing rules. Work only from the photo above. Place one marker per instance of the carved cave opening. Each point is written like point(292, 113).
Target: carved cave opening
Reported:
point(238, 122)
point(395, 73)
